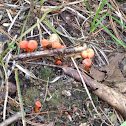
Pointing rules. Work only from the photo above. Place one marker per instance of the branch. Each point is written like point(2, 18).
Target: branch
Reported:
point(52, 52)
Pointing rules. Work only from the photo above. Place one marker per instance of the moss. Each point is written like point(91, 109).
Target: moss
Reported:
point(95, 99)
point(31, 96)
point(46, 73)
point(56, 99)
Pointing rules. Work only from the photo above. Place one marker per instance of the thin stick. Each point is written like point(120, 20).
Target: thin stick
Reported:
point(47, 112)
point(6, 95)
point(85, 86)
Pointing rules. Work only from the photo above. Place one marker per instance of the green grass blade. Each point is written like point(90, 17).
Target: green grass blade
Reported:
point(42, 1)
point(88, 9)
point(118, 21)
point(56, 31)
point(23, 28)
point(99, 21)
point(113, 36)
point(110, 6)
point(26, 32)
point(87, 6)
point(20, 97)
point(96, 16)
point(52, 28)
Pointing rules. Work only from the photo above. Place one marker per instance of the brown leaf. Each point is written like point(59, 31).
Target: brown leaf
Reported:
point(113, 72)
point(97, 74)
point(122, 66)
point(121, 87)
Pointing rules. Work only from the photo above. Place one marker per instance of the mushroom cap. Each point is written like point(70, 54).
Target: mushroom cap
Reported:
point(90, 52)
point(32, 44)
point(45, 42)
point(87, 62)
point(84, 54)
point(23, 44)
point(38, 104)
point(53, 37)
point(56, 45)
point(59, 62)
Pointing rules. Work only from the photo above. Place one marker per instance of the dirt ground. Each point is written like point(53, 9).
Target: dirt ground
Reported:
point(29, 77)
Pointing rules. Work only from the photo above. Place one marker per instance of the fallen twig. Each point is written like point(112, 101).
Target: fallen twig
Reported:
point(11, 119)
point(47, 112)
point(53, 52)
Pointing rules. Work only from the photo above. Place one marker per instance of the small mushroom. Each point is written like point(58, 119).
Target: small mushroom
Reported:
point(62, 46)
point(87, 64)
point(32, 44)
point(84, 54)
point(45, 43)
point(53, 38)
point(38, 105)
point(89, 53)
point(56, 45)
point(59, 62)
point(24, 44)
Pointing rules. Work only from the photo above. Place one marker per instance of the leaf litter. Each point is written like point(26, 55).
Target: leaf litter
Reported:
point(64, 100)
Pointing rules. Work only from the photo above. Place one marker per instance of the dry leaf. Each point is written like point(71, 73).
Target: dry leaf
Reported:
point(113, 72)
point(121, 87)
point(97, 74)
point(26, 71)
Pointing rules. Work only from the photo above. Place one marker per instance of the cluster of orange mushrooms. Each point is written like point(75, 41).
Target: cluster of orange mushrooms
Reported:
point(29, 46)
point(54, 42)
point(87, 55)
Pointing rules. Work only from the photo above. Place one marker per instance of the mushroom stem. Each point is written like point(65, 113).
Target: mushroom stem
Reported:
point(38, 105)
point(36, 109)
point(45, 43)
point(29, 50)
point(87, 68)
point(87, 64)
point(44, 47)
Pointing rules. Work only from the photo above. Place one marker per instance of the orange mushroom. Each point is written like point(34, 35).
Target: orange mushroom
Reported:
point(32, 44)
point(84, 54)
point(56, 45)
point(59, 62)
point(44, 42)
point(87, 64)
point(90, 53)
point(38, 105)
point(23, 44)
